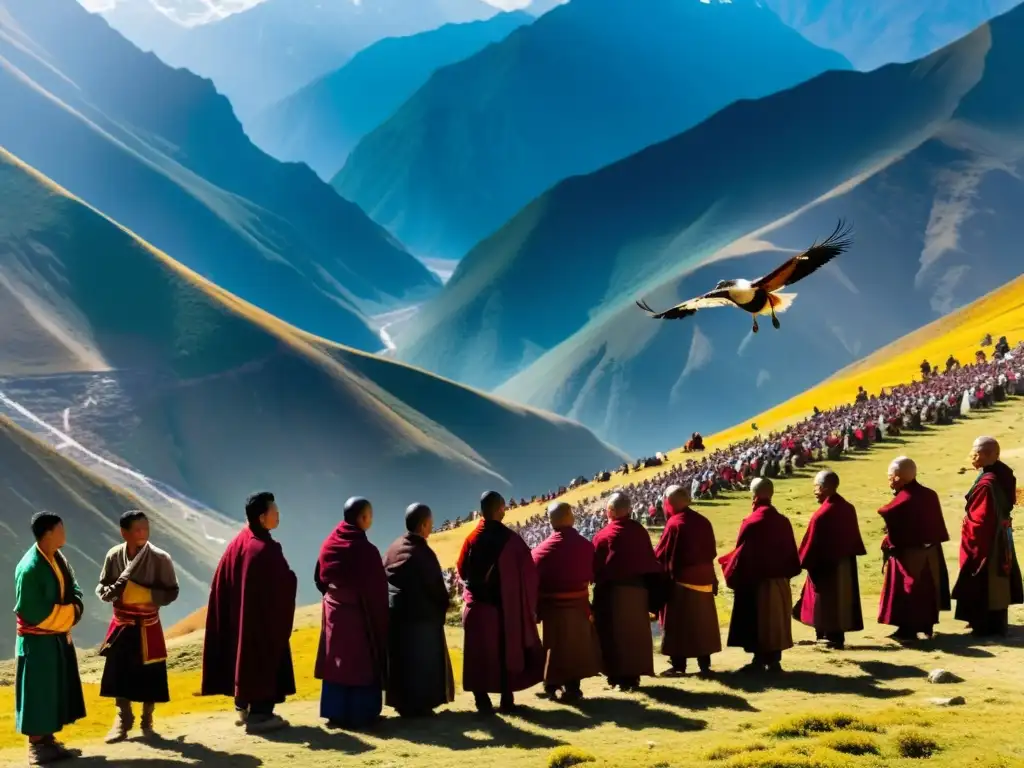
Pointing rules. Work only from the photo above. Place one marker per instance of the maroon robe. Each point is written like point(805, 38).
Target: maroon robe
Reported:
point(502, 649)
point(626, 578)
point(990, 578)
point(915, 587)
point(830, 600)
point(353, 649)
point(687, 551)
point(246, 651)
point(565, 568)
point(758, 571)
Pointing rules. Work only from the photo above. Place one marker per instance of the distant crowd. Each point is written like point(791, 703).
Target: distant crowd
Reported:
point(939, 398)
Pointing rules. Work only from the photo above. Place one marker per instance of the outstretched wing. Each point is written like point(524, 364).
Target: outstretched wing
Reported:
point(690, 306)
point(815, 257)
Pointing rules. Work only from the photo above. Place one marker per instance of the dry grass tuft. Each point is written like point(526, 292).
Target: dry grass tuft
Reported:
point(789, 758)
point(852, 743)
point(726, 751)
point(563, 757)
point(800, 726)
point(913, 743)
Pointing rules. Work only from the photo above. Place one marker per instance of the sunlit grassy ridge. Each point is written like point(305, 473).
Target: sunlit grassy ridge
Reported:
point(1000, 313)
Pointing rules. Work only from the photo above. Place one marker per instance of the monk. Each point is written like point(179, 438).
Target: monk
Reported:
point(352, 658)
point(687, 551)
point(47, 604)
point(138, 579)
point(565, 568)
point(502, 649)
point(758, 571)
point(627, 580)
point(246, 653)
point(420, 675)
point(830, 601)
point(915, 585)
point(990, 578)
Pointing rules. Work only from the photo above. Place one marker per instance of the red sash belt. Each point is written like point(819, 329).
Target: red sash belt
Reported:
point(26, 630)
point(154, 648)
point(566, 599)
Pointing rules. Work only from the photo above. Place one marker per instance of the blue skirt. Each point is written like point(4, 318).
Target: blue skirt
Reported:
point(349, 706)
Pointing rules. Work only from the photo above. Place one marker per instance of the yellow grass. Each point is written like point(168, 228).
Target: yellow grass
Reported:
point(1000, 313)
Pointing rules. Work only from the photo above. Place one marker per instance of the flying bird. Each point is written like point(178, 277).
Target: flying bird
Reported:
point(762, 297)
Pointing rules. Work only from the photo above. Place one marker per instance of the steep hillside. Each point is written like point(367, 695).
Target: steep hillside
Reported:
point(34, 477)
point(586, 84)
point(877, 33)
point(268, 52)
point(215, 398)
point(160, 151)
point(320, 124)
point(923, 158)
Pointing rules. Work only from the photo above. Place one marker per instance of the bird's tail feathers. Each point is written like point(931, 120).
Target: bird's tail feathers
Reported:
point(780, 302)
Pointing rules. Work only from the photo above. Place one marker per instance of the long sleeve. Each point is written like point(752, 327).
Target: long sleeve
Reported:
point(108, 576)
point(165, 591)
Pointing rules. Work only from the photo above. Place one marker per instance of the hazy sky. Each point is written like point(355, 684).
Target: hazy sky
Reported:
point(106, 5)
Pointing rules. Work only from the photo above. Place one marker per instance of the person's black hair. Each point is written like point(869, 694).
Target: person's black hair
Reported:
point(354, 507)
point(130, 517)
point(490, 503)
point(43, 523)
point(415, 514)
point(257, 505)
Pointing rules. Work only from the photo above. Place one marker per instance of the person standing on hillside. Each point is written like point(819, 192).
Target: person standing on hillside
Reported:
point(628, 587)
point(502, 649)
point(138, 579)
point(915, 587)
point(246, 652)
point(47, 604)
point(352, 657)
point(565, 568)
point(990, 579)
point(420, 677)
point(830, 600)
point(758, 572)
point(687, 550)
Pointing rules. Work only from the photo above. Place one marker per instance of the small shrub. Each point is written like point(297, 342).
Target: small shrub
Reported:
point(915, 744)
point(851, 743)
point(564, 757)
point(807, 725)
point(731, 750)
point(788, 759)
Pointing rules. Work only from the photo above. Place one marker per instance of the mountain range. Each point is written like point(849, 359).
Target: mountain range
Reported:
point(877, 33)
point(321, 123)
point(486, 135)
point(924, 158)
point(269, 51)
point(156, 369)
point(162, 152)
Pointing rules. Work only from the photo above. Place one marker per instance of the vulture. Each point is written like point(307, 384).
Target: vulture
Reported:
point(762, 296)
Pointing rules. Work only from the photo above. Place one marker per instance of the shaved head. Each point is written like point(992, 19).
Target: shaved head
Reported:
point(826, 483)
point(984, 452)
point(902, 470)
point(762, 488)
point(619, 505)
point(560, 514)
point(677, 496)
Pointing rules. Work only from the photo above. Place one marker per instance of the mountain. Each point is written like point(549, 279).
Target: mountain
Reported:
point(34, 477)
point(213, 397)
point(320, 124)
point(162, 152)
point(266, 53)
point(924, 159)
point(586, 84)
point(878, 33)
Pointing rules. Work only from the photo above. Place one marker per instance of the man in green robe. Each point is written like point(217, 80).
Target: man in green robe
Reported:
point(48, 603)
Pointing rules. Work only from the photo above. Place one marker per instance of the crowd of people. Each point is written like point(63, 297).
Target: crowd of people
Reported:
point(383, 617)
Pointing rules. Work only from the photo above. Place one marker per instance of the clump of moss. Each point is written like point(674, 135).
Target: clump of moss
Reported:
point(913, 743)
point(851, 743)
point(788, 759)
point(564, 757)
point(726, 751)
point(801, 726)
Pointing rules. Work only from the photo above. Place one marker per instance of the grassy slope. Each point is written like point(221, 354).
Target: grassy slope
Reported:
point(670, 723)
point(999, 313)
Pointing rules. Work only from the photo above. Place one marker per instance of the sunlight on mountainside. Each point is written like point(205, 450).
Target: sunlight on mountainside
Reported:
point(1000, 313)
